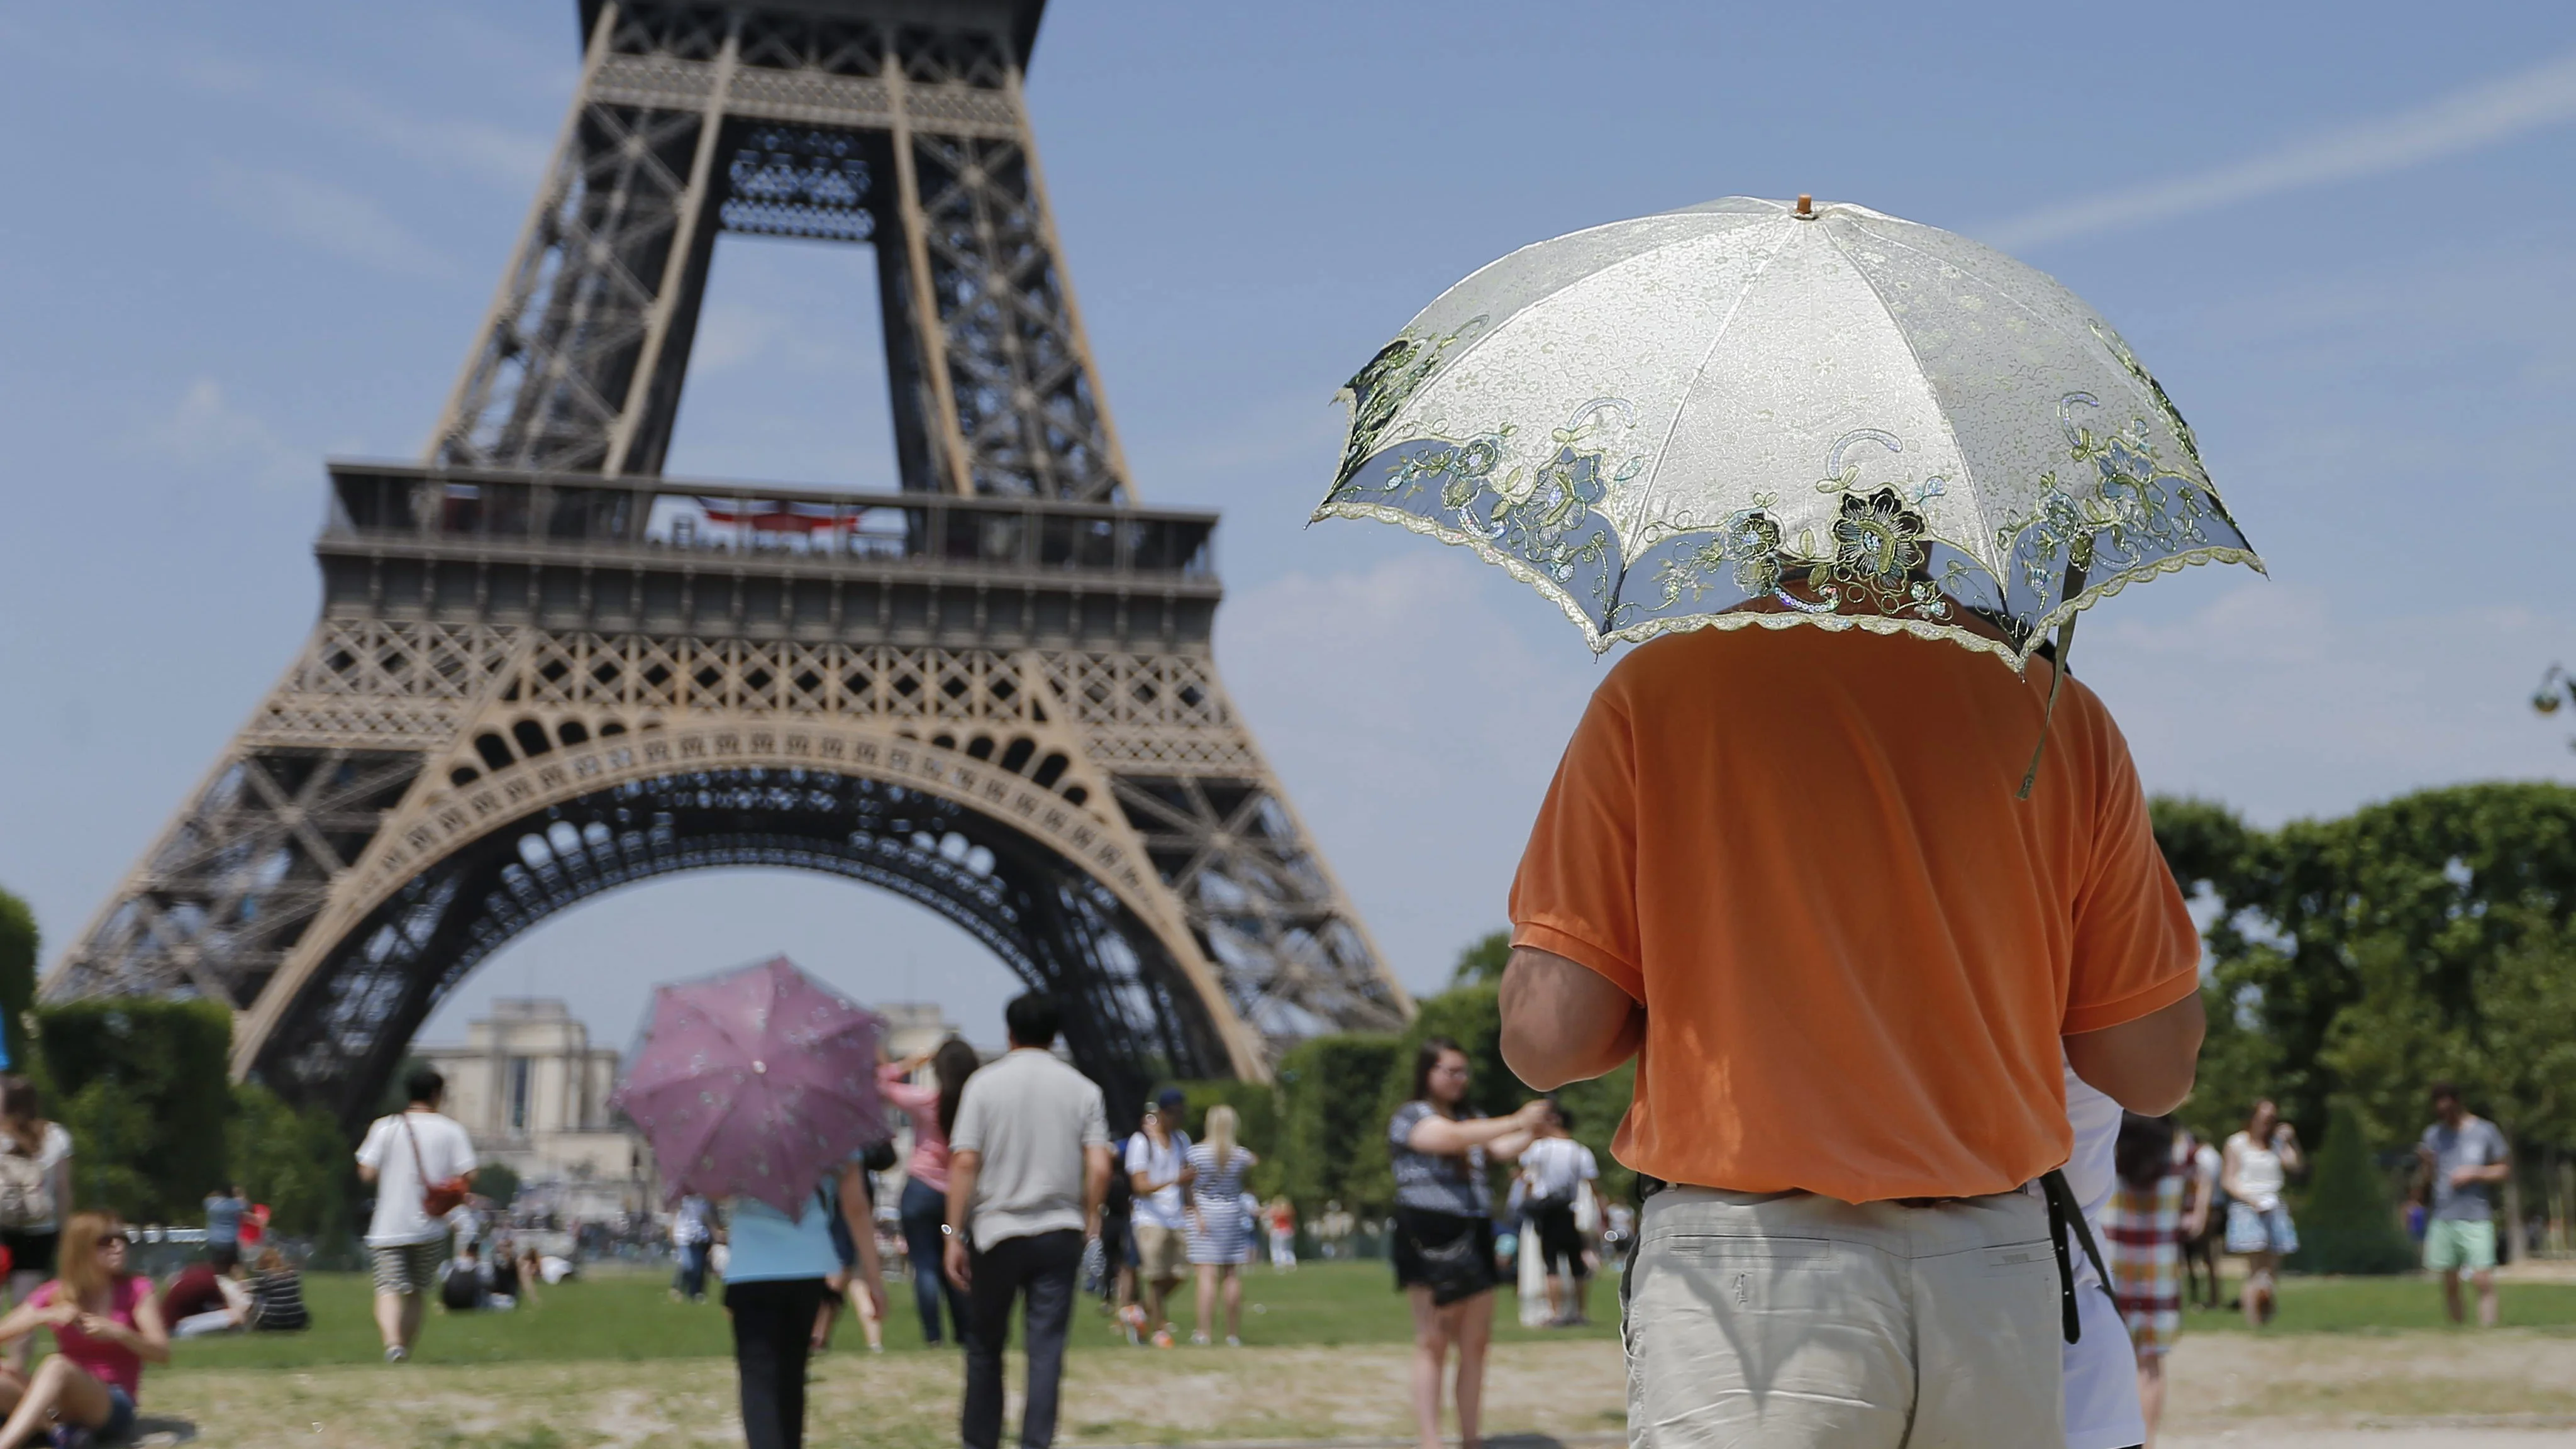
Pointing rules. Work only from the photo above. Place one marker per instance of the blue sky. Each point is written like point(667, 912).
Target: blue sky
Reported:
point(2344, 236)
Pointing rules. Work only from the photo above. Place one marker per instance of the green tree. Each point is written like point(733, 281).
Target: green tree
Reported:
point(1481, 963)
point(296, 1162)
point(2419, 917)
point(18, 944)
point(1328, 1123)
point(144, 1086)
point(2347, 1223)
point(498, 1181)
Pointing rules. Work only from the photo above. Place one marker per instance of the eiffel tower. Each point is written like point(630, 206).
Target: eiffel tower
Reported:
point(543, 670)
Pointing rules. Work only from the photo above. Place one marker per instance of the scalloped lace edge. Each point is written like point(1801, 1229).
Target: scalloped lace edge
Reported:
point(2017, 660)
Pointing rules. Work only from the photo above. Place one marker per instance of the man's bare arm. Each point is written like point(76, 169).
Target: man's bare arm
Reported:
point(2146, 1065)
point(1563, 1022)
point(1095, 1188)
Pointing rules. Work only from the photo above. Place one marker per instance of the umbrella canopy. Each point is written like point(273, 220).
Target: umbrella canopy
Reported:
point(754, 1084)
point(1863, 421)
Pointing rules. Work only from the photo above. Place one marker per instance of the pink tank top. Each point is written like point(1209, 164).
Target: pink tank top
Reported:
point(112, 1364)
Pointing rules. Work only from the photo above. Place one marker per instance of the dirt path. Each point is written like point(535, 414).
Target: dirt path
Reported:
point(2414, 1391)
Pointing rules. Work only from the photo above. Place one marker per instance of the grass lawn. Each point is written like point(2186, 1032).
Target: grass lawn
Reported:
point(2388, 1305)
point(628, 1316)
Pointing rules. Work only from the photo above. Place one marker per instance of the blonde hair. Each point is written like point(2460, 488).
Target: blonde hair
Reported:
point(76, 1266)
point(1221, 1124)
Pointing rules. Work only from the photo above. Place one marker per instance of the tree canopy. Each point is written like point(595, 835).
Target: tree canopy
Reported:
point(2364, 957)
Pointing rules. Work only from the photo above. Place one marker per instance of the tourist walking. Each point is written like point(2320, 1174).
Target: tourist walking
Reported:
point(693, 1236)
point(421, 1164)
point(2204, 1217)
point(1158, 1169)
point(2100, 1368)
point(106, 1327)
point(1851, 1065)
point(1443, 1243)
point(778, 1272)
point(1554, 1169)
point(923, 1208)
point(2255, 1170)
point(2465, 1158)
point(2143, 1231)
point(1281, 1217)
point(1220, 1238)
point(35, 1194)
point(1028, 1165)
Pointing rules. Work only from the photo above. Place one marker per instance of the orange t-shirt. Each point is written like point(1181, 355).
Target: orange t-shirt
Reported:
point(1801, 850)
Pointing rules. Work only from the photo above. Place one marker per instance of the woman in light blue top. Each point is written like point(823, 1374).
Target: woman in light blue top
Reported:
point(775, 1289)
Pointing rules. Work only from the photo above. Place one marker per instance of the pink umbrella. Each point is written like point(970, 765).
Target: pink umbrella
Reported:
point(754, 1084)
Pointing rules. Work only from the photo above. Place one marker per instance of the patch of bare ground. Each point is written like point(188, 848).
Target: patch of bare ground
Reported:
point(2478, 1385)
point(899, 1401)
point(2389, 1392)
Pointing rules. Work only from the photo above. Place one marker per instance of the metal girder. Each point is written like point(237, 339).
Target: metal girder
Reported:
point(543, 672)
point(691, 119)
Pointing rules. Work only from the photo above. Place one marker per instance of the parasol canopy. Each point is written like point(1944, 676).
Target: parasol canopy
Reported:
point(755, 1083)
point(1834, 415)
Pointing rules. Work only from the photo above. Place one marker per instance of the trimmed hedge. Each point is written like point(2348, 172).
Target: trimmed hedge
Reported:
point(17, 976)
point(2347, 1223)
point(1330, 1130)
point(145, 1086)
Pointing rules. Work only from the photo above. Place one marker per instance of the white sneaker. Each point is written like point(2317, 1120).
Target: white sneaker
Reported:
point(1233, 1342)
point(396, 1353)
point(1198, 1340)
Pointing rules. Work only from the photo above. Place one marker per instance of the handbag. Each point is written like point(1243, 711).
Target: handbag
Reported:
point(440, 1198)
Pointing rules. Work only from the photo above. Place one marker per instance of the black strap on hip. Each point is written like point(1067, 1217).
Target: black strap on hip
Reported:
point(2065, 1212)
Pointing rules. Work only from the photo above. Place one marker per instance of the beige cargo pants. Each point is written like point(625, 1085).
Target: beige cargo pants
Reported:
point(1788, 1320)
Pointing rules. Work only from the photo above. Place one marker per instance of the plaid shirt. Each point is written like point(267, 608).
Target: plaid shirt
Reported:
point(2142, 1232)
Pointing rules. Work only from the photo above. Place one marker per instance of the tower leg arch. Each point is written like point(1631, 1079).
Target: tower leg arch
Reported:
point(1047, 887)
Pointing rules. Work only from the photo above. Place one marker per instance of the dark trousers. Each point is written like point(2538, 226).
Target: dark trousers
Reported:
point(690, 1279)
point(1043, 1267)
point(773, 1335)
point(924, 1209)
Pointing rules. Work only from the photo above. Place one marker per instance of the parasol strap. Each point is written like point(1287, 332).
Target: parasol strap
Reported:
point(2056, 674)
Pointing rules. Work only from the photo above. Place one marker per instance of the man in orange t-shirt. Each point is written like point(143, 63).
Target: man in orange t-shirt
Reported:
point(1786, 869)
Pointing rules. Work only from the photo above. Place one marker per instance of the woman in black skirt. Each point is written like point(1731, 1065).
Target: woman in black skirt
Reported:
point(1444, 1228)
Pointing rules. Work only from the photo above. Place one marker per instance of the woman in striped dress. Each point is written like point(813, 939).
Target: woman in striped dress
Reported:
point(2142, 1232)
point(1220, 1231)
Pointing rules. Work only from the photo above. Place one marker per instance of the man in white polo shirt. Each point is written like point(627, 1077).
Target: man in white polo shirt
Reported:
point(1028, 1165)
point(404, 1157)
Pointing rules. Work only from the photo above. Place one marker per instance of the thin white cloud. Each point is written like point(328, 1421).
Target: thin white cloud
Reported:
point(328, 217)
point(203, 430)
point(2480, 116)
point(504, 158)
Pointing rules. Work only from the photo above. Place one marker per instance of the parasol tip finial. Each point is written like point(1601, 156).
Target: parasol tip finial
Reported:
point(1806, 205)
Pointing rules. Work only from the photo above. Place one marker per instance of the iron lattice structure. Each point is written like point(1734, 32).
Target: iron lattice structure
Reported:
point(543, 670)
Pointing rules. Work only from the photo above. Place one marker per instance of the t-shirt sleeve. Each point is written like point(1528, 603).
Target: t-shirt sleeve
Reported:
point(1095, 1120)
point(462, 1145)
point(44, 1294)
point(1591, 1164)
point(371, 1153)
point(1399, 1129)
point(1575, 895)
point(1139, 1155)
point(2491, 1138)
point(968, 1135)
point(2136, 949)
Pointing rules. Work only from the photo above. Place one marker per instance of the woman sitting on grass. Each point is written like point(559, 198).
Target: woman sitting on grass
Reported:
point(106, 1325)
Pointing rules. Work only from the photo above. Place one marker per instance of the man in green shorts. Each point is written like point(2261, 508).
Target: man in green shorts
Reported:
point(2467, 1158)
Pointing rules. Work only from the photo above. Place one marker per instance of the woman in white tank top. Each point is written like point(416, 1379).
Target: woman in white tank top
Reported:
point(2255, 1168)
